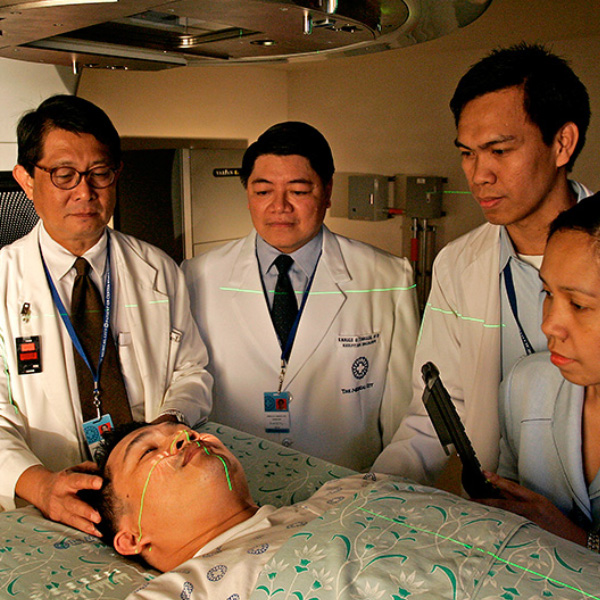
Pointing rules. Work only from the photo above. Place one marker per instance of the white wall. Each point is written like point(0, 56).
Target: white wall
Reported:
point(386, 113)
point(24, 86)
point(231, 102)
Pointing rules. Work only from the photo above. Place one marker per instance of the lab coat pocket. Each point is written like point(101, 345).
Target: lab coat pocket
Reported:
point(131, 375)
point(174, 343)
point(357, 362)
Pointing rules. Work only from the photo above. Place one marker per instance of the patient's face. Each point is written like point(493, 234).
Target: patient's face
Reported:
point(174, 483)
point(571, 275)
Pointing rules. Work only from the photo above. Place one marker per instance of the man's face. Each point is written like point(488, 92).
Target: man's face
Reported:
point(74, 218)
point(175, 486)
point(509, 168)
point(287, 200)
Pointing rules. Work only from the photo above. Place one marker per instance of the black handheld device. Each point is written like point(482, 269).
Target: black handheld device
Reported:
point(451, 432)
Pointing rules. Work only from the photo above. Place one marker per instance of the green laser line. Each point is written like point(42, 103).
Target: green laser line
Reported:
point(327, 293)
point(187, 436)
point(226, 472)
point(455, 192)
point(143, 496)
point(11, 400)
point(175, 439)
point(484, 551)
point(464, 317)
point(148, 480)
point(224, 466)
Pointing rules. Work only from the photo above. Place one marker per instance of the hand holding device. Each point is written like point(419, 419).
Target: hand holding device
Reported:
point(451, 432)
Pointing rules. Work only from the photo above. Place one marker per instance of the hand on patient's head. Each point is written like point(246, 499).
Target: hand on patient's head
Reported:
point(103, 500)
point(56, 494)
point(167, 491)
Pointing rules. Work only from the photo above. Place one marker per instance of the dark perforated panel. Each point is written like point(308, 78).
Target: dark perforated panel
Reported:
point(17, 216)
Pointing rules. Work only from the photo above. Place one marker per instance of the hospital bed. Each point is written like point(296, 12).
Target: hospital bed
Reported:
point(393, 540)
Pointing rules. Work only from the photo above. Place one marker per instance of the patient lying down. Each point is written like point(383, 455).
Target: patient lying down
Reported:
point(172, 494)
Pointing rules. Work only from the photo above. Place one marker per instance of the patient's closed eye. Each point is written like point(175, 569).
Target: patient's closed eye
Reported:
point(147, 451)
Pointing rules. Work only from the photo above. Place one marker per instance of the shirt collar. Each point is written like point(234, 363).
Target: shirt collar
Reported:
point(507, 250)
point(305, 258)
point(60, 261)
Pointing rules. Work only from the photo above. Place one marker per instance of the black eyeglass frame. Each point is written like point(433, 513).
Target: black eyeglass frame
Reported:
point(80, 175)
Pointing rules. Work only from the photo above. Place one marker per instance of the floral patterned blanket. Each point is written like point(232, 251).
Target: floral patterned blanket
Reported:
point(398, 540)
point(391, 541)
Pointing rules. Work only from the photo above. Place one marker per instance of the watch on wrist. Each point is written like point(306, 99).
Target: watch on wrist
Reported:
point(593, 541)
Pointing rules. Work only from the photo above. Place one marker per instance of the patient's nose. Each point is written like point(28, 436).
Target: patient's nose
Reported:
point(182, 439)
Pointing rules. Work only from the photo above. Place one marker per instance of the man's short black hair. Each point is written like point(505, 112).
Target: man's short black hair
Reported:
point(71, 114)
point(291, 138)
point(104, 500)
point(553, 94)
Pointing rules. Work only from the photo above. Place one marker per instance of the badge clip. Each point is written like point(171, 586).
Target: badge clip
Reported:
point(26, 312)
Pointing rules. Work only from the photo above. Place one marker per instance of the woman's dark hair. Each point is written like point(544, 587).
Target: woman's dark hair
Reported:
point(584, 217)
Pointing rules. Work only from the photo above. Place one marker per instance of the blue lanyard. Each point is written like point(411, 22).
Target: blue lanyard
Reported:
point(105, 323)
point(512, 300)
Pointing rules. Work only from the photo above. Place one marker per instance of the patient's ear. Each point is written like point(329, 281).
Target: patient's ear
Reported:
point(127, 543)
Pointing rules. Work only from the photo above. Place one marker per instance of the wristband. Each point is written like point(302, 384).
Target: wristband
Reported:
point(593, 542)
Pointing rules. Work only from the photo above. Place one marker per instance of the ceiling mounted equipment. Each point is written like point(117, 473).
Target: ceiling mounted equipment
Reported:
point(146, 34)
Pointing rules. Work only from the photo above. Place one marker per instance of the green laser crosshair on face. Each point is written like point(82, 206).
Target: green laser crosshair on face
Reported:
point(170, 453)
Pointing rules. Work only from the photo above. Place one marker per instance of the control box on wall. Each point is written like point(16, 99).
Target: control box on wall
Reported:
point(419, 196)
point(368, 197)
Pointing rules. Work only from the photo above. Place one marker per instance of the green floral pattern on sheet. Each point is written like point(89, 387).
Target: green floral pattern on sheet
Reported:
point(40, 560)
point(397, 540)
point(276, 475)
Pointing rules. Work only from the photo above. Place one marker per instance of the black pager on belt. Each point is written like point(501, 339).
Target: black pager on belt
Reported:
point(451, 432)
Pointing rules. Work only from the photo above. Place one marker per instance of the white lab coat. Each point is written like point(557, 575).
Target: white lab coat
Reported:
point(334, 414)
point(461, 335)
point(44, 423)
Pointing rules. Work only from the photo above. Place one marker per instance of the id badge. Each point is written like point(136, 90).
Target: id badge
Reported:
point(29, 355)
point(277, 412)
point(93, 430)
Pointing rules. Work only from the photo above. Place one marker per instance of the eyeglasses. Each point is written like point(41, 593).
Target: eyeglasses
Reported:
point(68, 178)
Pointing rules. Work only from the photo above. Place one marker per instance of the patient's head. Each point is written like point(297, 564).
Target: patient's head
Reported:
point(169, 490)
point(571, 276)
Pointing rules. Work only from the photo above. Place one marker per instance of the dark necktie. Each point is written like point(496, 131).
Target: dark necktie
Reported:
point(285, 306)
point(87, 316)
